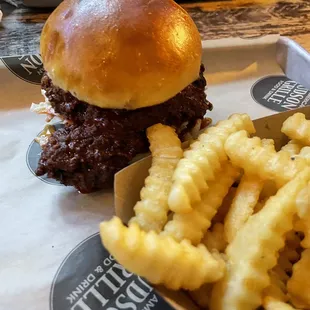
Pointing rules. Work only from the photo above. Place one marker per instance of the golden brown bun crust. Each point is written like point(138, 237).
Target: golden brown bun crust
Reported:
point(121, 54)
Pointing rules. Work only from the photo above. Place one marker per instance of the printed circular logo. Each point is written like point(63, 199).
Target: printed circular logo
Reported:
point(33, 156)
point(89, 278)
point(279, 93)
point(28, 67)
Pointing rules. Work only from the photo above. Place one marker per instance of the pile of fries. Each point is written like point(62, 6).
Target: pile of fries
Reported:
point(227, 219)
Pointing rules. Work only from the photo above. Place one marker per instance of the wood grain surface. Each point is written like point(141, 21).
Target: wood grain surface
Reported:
point(21, 27)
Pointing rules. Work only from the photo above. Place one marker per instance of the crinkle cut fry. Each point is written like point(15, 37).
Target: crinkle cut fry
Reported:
point(242, 207)
point(279, 274)
point(303, 225)
point(253, 251)
point(202, 161)
point(302, 222)
point(305, 153)
point(248, 154)
point(277, 287)
point(298, 285)
point(271, 303)
point(214, 238)
point(297, 127)
point(293, 147)
point(192, 225)
point(268, 144)
point(160, 259)
point(151, 211)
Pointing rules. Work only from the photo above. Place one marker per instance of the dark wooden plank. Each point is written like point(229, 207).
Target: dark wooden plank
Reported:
point(251, 18)
point(21, 27)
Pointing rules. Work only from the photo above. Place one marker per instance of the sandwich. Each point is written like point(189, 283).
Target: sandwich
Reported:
point(113, 68)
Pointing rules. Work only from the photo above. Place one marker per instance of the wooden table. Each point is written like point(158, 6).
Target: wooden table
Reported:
point(21, 27)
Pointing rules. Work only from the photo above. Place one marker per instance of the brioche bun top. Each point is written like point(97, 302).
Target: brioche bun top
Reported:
point(121, 54)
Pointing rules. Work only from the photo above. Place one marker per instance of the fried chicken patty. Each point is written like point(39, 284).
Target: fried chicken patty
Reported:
point(98, 142)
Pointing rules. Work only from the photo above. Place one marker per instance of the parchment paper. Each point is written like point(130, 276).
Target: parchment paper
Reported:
point(41, 223)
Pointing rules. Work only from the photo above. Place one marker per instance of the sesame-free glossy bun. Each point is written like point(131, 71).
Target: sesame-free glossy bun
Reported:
point(121, 54)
